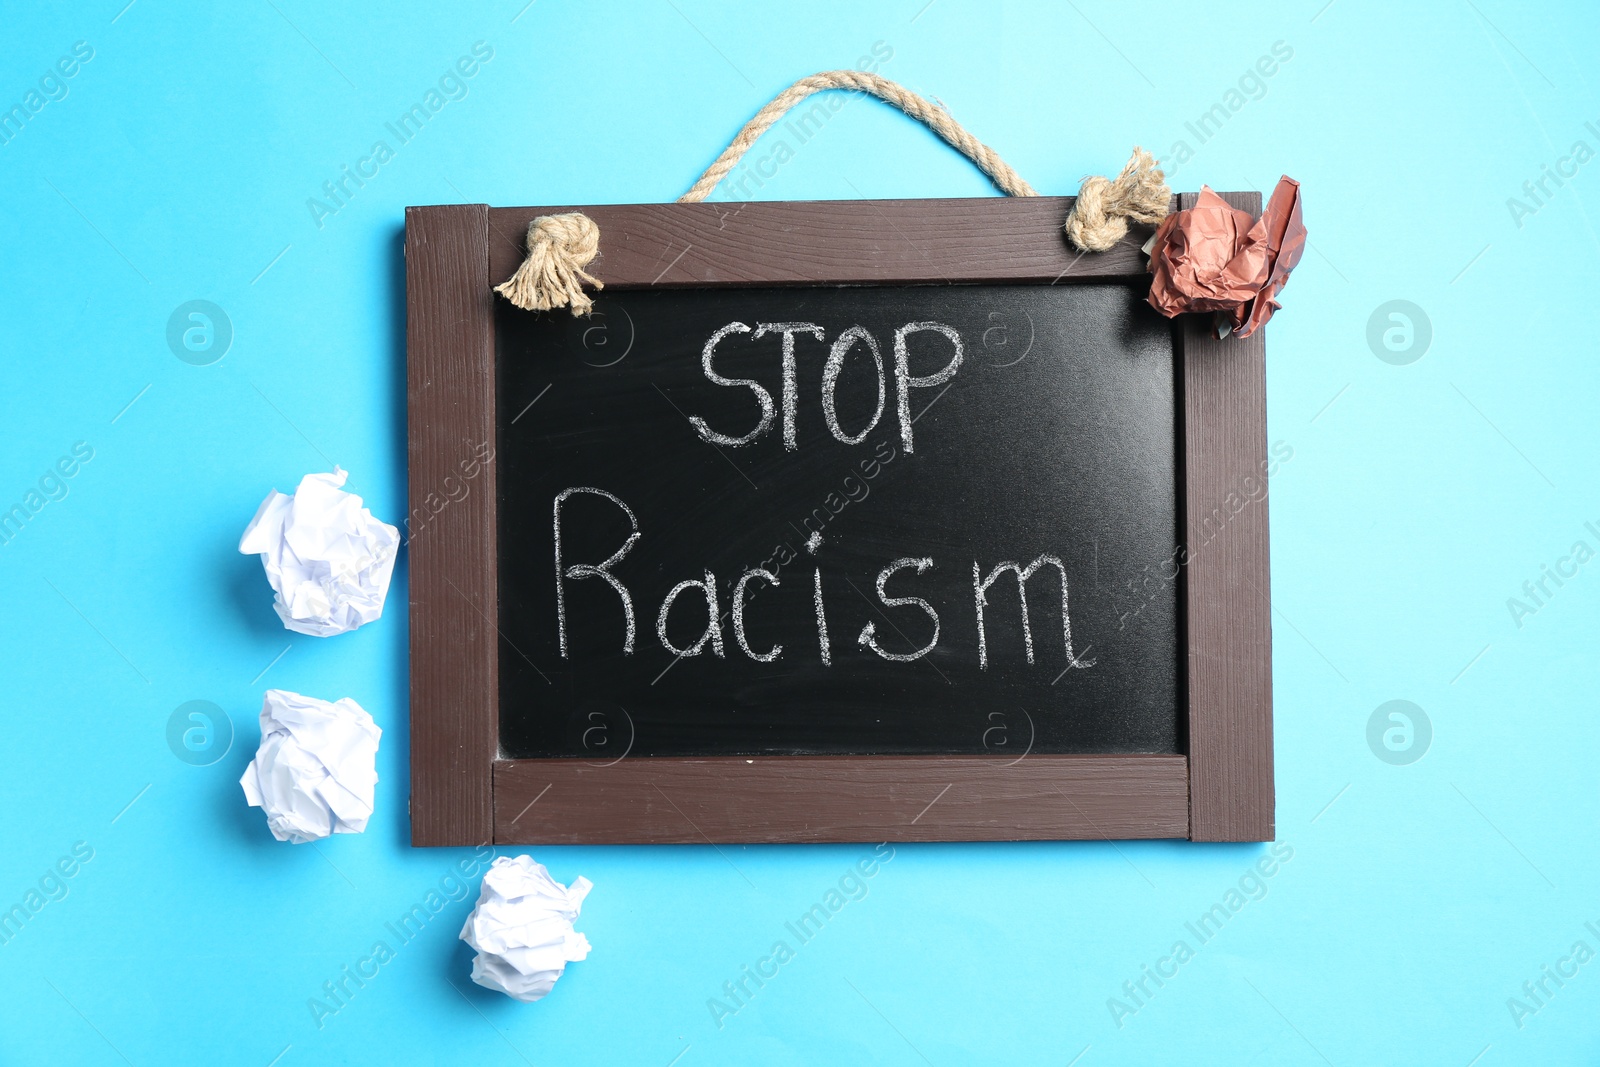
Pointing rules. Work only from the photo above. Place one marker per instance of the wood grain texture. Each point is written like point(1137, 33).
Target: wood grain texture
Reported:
point(822, 242)
point(450, 415)
point(839, 798)
point(1229, 606)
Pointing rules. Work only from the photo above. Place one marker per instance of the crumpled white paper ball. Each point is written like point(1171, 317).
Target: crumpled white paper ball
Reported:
point(328, 559)
point(522, 928)
point(316, 768)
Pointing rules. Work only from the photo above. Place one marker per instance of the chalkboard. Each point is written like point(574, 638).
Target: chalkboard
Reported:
point(714, 438)
point(1030, 425)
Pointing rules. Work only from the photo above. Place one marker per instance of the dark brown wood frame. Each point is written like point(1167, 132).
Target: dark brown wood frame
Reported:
point(463, 793)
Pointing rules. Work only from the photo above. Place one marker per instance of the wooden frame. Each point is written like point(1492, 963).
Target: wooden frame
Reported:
point(463, 793)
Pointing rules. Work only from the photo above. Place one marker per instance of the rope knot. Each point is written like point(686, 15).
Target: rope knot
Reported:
point(1099, 217)
point(559, 247)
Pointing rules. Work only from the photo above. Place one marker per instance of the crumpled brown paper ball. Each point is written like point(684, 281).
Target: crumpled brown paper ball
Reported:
point(1213, 257)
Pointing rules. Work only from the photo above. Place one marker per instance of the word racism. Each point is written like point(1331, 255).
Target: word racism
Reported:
point(1252, 885)
point(52, 85)
point(52, 886)
point(1565, 569)
point(452, 85)
point(453, 887)
point(852, 885)
point(706, 587)
point(1537, 993)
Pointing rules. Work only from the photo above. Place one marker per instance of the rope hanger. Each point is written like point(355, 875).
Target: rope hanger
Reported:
point(560, 246)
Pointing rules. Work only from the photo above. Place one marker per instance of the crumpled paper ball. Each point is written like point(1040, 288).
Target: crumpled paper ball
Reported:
point(328, 559)
point(316, 768)
point(1214, 257)
point(522, 928)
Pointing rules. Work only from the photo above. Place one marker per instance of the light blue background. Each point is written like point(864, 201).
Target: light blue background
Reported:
point(1419, 898)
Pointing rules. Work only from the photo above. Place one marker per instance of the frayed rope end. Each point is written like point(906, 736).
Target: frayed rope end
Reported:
point(559, 247)
point(1100, 215)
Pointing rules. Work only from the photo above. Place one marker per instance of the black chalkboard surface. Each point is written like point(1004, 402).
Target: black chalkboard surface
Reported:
point(686, 461)
point(1052, 447)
